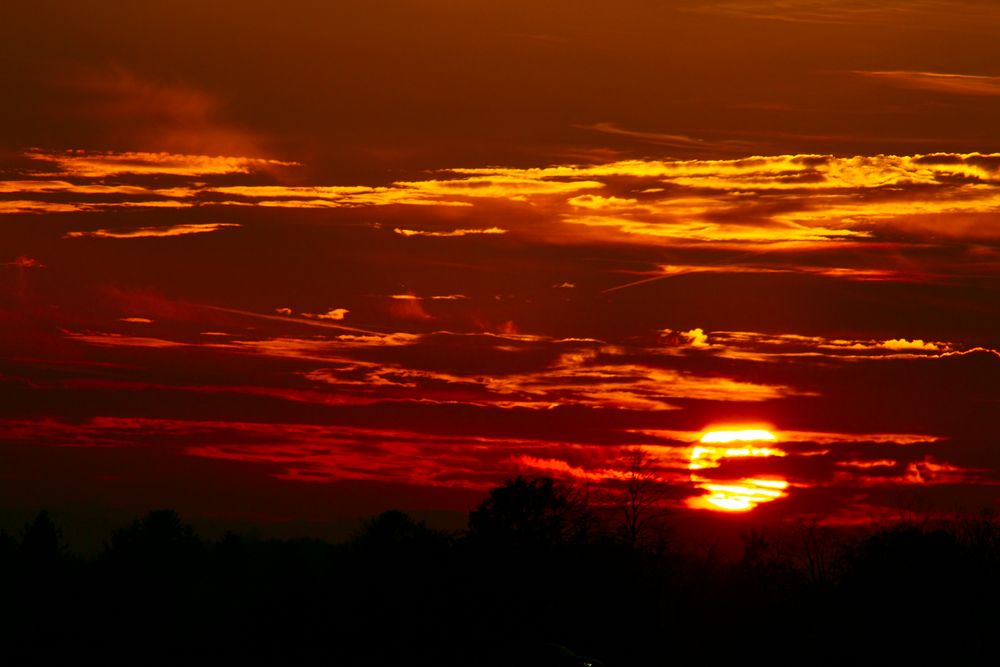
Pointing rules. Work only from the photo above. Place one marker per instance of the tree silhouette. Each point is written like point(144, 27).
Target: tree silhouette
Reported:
point(41, 542)
point(390, 530)
point(639, 498)
point(523, 589)
point(158, 540)
point(8, 546)
point(524, 512)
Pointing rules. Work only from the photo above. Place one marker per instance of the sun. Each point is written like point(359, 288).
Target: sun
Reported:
point(739, 495)
point(745, 435)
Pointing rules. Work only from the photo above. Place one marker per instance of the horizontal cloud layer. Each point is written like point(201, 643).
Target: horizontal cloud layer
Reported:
point(447, 332)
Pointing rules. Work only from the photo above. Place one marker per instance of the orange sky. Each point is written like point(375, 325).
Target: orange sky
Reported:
point(311, 260)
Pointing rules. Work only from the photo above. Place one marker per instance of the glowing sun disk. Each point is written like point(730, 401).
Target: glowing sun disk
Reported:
point(733, 495)
point(746, 435)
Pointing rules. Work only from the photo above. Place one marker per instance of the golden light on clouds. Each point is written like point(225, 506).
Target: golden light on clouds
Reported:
point(106, 163)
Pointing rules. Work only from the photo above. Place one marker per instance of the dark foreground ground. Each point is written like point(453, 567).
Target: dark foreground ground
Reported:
point(535, 580)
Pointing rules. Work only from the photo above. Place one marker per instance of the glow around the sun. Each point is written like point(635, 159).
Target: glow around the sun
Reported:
point(739, 495)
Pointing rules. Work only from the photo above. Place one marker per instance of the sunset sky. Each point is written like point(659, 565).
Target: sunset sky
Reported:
point(306, 261)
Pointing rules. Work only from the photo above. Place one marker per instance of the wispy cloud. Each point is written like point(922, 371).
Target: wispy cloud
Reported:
point(93, 164)
point(24, 262)
point(671, 140)
point(663, 139)
point(751, 345)
point(959, 84)
point(28, 206)
point(153, 232)
point(968, 15)
point(453, 232)
point(167, 115)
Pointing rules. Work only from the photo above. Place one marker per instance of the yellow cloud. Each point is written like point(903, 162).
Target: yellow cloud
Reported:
point(696, 338)
point(916, 344)
point(453, 232)
point(596, 202)
point(780, 199)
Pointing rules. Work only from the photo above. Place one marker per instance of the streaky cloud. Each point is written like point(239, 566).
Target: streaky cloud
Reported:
point(152, 232)
point(450, 233)
point(93, 164)
point(958, 84)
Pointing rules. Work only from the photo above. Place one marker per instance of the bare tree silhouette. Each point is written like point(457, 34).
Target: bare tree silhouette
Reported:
point(639, 497)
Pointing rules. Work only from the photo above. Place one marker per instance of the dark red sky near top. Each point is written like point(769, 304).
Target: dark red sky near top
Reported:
point(302, 262)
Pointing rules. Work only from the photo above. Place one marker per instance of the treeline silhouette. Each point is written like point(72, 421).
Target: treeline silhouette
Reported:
point(541, 576)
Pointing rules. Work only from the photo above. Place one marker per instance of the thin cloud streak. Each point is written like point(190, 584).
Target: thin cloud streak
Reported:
point(453, 232)
point(90, 164)
point(960, 15)
point(152, 232)
point(958, 84)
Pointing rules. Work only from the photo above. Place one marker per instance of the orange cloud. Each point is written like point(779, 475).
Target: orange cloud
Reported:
point(810, 200)
point(24, 262)
point(863, 465)
point(508, 184)
point(579, 378)
point(118, 340)
point(696, 338)
point(916, 344)
point(598, 203)
point(167, 115)
point(152, 232)
point(560, 468)
point(437, 297)
point(664, 139)
point(968, 15)
point(670, 271)
point(960, 84)
point(24, 206)
point(407, 307)
point(98, 165)
point(776, 172)
point(454, 232)
point(332, 314)
point(555, 467)
point(53, 186)
point(932, 471)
